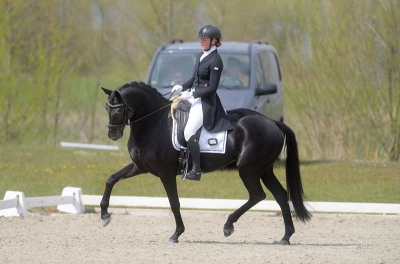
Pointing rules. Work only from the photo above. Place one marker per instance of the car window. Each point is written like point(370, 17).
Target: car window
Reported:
point(272, 74)
point(259, 71)
point(236, 70)
point(172, 68)
point(270, 66)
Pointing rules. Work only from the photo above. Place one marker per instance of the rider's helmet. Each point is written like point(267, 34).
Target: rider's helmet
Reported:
point(210, 31)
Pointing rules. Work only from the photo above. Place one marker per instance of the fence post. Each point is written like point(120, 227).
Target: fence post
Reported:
point(20, 210)
point(77, 207)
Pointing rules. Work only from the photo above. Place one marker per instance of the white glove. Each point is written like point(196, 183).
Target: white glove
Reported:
point(177, 88)
point(186, 95)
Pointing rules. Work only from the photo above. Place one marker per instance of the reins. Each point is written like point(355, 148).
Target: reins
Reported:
point(126, 119)
point(137, 120)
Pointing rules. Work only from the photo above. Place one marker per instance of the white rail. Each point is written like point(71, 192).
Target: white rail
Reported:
point(87, 146)
point(232, 204)
point(72, 201)
point(11, 203)
point(15, 203)
point(48, 201)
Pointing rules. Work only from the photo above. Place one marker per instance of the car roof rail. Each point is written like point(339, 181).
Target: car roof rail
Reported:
point(257, 41)
point(169, 42)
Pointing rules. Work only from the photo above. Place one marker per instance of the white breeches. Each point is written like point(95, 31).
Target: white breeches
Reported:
point(195, 120)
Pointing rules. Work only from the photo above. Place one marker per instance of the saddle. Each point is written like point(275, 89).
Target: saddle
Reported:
point(180, 113)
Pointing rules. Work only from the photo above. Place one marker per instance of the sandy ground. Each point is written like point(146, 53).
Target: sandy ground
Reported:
point(140, 235)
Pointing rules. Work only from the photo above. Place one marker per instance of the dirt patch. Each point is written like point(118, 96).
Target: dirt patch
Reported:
point(140, 235)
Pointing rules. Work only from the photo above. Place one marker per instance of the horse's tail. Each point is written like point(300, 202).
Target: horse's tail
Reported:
point(293, 178)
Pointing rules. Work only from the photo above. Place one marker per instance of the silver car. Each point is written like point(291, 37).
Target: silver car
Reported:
point(251, 77)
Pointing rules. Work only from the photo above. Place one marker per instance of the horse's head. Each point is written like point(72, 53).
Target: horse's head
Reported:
point(118, 113)
point(134, 100)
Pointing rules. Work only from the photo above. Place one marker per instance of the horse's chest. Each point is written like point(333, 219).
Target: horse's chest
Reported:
point(144, 156)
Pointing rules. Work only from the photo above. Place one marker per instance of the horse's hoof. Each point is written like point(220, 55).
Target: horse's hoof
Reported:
point(284, 242)
point(172, 241)
point(228, 231)
point(106, 219)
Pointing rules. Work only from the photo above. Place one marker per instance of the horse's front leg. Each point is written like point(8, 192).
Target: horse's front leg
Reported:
point(169, 182)
point(128, 171)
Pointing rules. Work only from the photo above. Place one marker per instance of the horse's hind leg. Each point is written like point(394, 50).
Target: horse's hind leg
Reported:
point(280, 195)
point(252, 183)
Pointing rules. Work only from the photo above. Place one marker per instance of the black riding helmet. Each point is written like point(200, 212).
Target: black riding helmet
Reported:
point(210, 31)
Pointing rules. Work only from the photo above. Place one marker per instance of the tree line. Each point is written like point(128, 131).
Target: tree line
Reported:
point(340, 62)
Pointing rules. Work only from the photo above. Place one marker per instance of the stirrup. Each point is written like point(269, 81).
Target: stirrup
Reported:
point(191, 175)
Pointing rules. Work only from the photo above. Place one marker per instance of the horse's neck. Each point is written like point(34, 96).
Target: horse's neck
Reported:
point(151, 128)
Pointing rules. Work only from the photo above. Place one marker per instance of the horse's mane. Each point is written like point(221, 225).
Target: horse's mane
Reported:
point(155, 95)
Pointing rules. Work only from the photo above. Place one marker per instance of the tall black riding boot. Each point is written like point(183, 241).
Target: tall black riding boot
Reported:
point(194, 150)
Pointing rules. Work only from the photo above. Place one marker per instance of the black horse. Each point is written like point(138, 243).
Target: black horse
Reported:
point(254, 144)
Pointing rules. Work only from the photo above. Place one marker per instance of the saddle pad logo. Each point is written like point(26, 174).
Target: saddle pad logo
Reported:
point(212, 141)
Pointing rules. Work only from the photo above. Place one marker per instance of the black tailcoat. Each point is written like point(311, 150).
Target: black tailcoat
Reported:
point(205, 80)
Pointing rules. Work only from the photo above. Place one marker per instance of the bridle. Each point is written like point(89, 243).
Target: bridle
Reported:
point(127, 120)
point(116, 127)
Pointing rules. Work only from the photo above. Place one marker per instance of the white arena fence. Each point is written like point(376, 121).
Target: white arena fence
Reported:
point(72, 201)
point(15, 203)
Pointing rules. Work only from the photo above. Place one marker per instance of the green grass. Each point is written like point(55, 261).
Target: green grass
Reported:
point(39, 171)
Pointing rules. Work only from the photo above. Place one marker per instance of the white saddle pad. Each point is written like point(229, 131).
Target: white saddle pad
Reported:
point(209, 142)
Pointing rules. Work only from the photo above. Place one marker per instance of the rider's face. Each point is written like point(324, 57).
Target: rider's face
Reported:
point(205, 43)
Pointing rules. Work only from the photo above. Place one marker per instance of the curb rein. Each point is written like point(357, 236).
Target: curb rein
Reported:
point(126, 115)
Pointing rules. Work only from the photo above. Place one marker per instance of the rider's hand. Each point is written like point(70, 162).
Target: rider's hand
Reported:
point(186, 95)
point(177, 88)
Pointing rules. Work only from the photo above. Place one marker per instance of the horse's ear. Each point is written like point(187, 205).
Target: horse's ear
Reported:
point(106, 91)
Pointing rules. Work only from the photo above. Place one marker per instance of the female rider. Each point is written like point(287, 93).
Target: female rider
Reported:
point(206, 109)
